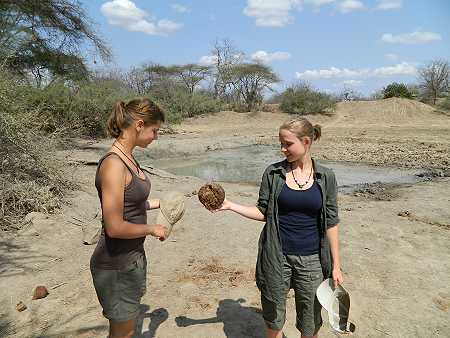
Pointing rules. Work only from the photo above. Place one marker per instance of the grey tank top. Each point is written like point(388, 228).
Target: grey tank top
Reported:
point(116, 253)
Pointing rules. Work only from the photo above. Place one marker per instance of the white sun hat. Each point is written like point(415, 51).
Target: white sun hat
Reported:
point(171, 210)
point(337, 303)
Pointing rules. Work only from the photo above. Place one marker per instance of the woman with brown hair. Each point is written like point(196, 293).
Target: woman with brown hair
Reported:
point(118, 263)
point(298, 246)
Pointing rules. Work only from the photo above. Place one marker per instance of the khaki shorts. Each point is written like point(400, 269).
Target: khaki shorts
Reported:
point(120, 291)
point(304, 275)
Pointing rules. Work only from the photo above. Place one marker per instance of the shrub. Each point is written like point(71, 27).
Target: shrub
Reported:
point(79, 109)
point(180, 104)
point(30, 176)
point(397, 90)
point(445, 104)
point(302, 99)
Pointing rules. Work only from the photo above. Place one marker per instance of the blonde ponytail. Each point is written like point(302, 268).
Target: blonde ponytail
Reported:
point(301, 127)
point(317, 132)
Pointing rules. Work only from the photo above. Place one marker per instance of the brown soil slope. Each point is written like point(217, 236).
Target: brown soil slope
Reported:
point(391, 132)
point(388, 112)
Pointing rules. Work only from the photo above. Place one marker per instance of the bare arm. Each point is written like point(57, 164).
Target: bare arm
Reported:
point(153, 204)
point(246, 211)
point(112, 177)
point(333, 239)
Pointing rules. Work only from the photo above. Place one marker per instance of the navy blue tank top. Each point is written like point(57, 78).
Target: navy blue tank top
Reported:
point(298, 212)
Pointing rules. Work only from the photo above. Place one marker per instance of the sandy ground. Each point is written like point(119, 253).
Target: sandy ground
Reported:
point(394, 240)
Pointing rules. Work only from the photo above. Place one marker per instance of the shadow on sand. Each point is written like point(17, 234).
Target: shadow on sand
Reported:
point(17, 258)
point(157, 317)
point(238, 321)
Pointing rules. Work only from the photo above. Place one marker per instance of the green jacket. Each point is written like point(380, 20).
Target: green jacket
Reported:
point(269, 277)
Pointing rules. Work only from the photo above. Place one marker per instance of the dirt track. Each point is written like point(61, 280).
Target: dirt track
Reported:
point(395, 251)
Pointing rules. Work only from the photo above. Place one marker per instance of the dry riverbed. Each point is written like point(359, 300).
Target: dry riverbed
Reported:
point(394, 240)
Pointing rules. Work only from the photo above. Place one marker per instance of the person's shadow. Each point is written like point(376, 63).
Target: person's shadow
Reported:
point(157, 317)
point(238, 321)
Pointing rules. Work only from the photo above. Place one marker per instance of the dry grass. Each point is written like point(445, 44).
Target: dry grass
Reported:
point(212, 270)
point(31, 178)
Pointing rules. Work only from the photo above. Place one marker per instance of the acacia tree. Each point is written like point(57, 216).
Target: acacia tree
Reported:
point(190, 74)
point(46, 37)
point(162, 82)
point(250, 80)
point(147, 77)
point(434, 79)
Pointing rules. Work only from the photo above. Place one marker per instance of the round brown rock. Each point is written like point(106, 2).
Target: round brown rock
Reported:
point(211, 195)
point(40, 292)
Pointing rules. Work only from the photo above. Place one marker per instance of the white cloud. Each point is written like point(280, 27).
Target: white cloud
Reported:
point(411, 38)
point(330, 73)
point(271, 13)
point(207, 60)
point(347, 6)
point(386, 5)
point(351, 83)
point(265, 57)
point(180, 8)
point(391, 56)
point(403, 68)
point(124, 13)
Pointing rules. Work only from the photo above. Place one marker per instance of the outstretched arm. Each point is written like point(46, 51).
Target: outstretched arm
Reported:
point(243, 210)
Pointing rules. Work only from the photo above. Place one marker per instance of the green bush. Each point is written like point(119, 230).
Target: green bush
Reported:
point(180, 104)
point(80, 109)
point(445, 104)
point(397, 90)
point(31, 179)
point(302, 99)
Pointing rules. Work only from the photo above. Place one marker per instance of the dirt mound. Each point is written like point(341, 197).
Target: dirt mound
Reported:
point(393, 111)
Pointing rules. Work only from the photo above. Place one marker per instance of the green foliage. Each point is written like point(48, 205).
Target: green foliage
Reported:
point(79, 109)
point(180, 104)
point(302, 99)
point(397, 90)
point(31, 178)
point(445, 104)
point(44, 38)
point(249, 81)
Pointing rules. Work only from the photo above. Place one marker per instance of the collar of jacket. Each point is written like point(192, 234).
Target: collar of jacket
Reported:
point(282, 167)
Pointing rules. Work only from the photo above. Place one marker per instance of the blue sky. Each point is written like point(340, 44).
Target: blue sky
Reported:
point(358, 44)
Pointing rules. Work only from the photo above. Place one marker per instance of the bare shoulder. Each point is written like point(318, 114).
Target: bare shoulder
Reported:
point(112, 170)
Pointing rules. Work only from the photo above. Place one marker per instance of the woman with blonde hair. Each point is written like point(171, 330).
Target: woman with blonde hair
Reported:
point(298, 246)
point(118, 263)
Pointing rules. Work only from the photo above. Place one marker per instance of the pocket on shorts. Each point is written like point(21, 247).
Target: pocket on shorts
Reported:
point(132, 278)
point(130, 267)
point(316, 275)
